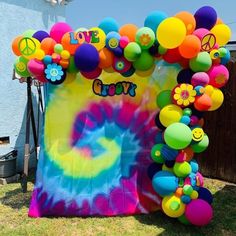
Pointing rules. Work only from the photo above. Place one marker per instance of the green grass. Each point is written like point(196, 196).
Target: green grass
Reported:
point(14, 220)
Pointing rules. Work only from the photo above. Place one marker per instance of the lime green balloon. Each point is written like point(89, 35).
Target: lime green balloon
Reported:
point(164, 98)
point(58, 48)
point(20, 66)
point(178, 136)
point(202, 145)
point(132, 51)
point(29, 33)
point(182, 169)
point(144, 62)
point(188, 189)
point(145, 37)
point(202, 62)
point(72, 67)
point(156, 153)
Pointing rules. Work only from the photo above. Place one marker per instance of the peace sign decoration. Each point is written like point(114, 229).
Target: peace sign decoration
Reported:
point(195, 41)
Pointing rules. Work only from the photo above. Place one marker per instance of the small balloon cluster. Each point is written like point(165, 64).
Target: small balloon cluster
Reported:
point(175, 174)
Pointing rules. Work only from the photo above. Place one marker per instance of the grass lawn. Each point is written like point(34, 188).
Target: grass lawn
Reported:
point(14, 220)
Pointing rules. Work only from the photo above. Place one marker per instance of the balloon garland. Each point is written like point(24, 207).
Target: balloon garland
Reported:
point(196, 42)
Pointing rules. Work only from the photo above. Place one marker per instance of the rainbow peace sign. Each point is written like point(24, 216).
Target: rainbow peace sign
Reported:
point(27, 46)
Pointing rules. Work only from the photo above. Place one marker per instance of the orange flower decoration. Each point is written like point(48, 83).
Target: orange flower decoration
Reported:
point(145, 39)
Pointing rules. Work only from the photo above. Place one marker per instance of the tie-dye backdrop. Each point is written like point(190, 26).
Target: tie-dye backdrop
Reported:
point(95, 150)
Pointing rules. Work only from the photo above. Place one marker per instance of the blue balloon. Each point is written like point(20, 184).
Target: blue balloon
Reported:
point(112, 40)
point(205, 194)
point(40, 35)
point(186, 199)
point(194, 166)
point(164, 183)
point(224, 60)
point(168, 153)
point(185, 120)
point(109, 24)
point(86, 58)
point(154, 19)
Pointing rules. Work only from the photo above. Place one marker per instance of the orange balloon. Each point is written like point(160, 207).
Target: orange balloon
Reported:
point(190, 47)
point(188, 151)
point(65, 41)
point(203, 102)
point(106, 58)
point(47, 45)
point(188, 20)
point(15, 44)
point(219, 21)
point(129, 30)
point(179, 192)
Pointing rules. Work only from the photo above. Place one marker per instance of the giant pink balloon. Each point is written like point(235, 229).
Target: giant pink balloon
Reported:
point(58, 30)
point(199, 212)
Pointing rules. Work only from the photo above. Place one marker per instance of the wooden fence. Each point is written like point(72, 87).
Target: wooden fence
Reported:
point(219, 160)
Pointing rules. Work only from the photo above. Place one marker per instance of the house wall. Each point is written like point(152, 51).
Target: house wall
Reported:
point(17, 16)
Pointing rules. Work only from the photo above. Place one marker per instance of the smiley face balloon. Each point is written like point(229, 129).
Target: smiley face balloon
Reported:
point(198, 134)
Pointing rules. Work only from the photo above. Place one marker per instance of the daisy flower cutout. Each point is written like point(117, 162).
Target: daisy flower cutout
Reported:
point(145, 39)
point(184, 94)
point(54, 72)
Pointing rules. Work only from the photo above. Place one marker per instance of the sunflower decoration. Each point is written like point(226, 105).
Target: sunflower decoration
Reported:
point(220, 79)
point(184, 95)
point(145, 39)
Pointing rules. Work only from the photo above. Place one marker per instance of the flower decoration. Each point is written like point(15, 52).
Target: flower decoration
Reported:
point(145, 39)
point(220, 79)
point(54, 72)
point(184, 94)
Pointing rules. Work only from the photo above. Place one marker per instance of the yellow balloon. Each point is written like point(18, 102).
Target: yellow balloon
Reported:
point(222, 33)
point(209, 90)
point(101, 38)
point(145, 73)
point(171, 32)
point(170, 114)
point(172, 206)
point(217, 98)
point(39, 54)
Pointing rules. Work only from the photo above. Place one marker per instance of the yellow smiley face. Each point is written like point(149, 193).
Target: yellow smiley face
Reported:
point(21, 66)
point(113, 43)
point(198, 134)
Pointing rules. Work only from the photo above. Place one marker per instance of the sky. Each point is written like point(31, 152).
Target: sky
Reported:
point(89, 13)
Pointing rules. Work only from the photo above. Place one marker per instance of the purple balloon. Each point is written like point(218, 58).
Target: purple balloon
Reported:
point(199, 212)
point(205, 17)
point(40, 35)
point(86, 58)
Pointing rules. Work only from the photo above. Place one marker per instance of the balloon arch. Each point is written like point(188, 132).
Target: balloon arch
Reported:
point(195, 42)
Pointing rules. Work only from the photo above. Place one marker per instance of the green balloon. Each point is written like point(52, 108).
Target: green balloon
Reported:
point(178, 136)
point(202, 62)
point(132, 51)
point(184, 220)
point(164, 98)
point(72, 68)
point(188, 189)
point(182, 169)
point(20, 67)
point(202, 145)
point(144, 62)
point(161, 50)
point(58, 48)
point(29, 33)
point(187, 112)
point(145, 37)
point(156, 153)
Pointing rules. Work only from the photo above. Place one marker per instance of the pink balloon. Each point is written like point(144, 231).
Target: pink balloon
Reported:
point(200, 78)
point(36, 67)
point(201, 32)
point(124, 41)
point(58, 30)
point(199, 212)
point(219, 76)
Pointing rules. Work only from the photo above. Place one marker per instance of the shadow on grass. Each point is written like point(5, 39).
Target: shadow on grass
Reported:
point(15, 198)
point(223, 223)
